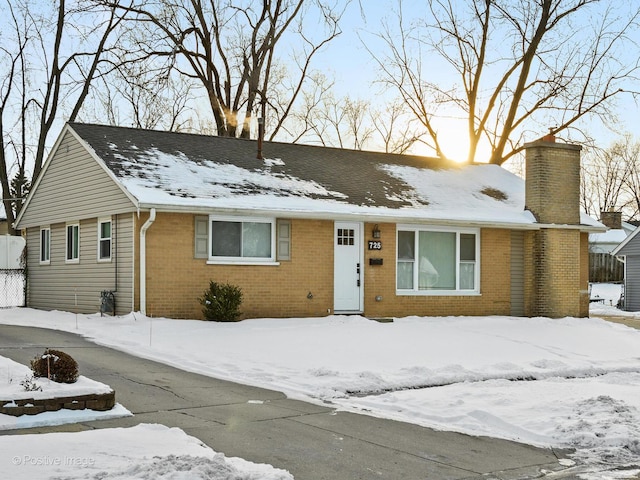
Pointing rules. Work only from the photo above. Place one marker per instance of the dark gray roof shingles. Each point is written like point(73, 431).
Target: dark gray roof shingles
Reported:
point(354, 174)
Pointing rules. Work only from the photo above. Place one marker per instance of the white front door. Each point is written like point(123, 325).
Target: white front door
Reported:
point(347, 267)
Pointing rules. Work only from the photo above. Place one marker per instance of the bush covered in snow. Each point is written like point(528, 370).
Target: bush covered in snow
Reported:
point(221, 302)
point(55, 365)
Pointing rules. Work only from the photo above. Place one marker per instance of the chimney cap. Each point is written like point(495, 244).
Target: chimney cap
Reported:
point(550, 137)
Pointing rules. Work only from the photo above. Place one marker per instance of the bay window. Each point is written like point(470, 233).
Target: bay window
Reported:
point(437, 261)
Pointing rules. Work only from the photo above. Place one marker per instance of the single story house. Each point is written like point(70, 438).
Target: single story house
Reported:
point(151, 217)
point(629, 251)
point(604, 267)
point(617, 232)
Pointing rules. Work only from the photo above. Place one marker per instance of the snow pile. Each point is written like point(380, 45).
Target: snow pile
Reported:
point(143, 451)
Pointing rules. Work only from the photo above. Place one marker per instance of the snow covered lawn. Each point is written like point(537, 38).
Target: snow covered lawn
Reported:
point(143, 451)
point(562, 383)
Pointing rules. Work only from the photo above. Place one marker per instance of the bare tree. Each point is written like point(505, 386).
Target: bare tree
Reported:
point(627, 150)
point(610, 178)
point(140, 95)
point(395, 131)
point(342, 122)
point(345, 122)
point(233, 49)
point(50, 56)
point(521, 65)
point(603, 180)
point(12, 61)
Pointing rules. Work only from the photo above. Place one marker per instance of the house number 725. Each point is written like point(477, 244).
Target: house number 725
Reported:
point(375, 245)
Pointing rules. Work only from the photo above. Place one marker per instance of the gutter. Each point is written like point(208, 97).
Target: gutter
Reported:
point(368, 217)
point(143, 260)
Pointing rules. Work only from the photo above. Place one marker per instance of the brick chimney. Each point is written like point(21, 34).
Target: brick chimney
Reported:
point(557, 257)
point(611, 219)
point(553, 181)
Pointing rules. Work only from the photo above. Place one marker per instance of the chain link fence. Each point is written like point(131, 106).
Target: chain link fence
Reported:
point(13, 284)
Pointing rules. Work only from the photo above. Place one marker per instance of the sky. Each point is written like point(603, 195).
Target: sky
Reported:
point(347, 60)
point(447, 373)
point(356, 72)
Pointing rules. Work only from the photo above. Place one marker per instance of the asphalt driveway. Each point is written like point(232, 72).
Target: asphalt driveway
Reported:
point(313, 442)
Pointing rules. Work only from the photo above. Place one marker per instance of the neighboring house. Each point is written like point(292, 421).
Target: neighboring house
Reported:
point(604, 267)
point(305, 231)
point(629, 251)
point(617, 232)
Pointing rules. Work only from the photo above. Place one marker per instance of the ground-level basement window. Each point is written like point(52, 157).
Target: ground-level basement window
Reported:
point(241, 239)
point(437, 261)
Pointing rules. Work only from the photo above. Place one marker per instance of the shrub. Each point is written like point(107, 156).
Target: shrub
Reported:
point(30, 385)
point(221, 302)
point(55, 365)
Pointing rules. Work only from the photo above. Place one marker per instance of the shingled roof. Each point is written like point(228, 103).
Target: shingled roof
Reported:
point(165, 169)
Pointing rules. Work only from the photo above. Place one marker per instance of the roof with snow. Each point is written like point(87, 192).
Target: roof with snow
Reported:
point(177, 170)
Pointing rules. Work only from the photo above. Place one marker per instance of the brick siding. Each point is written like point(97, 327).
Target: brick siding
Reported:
point(268, 290)
point(175, 279)
point(553, 182)
point(495, 290)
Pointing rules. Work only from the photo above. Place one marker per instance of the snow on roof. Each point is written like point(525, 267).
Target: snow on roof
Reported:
point(176, 170)
point(613, 236)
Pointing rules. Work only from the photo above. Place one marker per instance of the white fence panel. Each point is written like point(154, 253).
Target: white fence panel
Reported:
point(11, 248)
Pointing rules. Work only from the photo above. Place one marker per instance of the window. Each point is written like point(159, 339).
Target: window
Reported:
point(345, 236)
point(247, 240)
point(437, 261)
point(104, 240)
point(45, 245)
point(73, 243)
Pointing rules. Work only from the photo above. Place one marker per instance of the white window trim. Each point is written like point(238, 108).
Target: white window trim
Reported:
point(441, 293)
point(66, 242)
point(243, 260)
point(48, 260)
point(100, 222)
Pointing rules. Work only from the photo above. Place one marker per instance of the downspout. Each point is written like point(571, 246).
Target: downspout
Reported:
point(143, 260)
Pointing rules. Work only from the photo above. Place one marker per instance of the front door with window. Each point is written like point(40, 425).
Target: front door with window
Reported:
point(348, 269)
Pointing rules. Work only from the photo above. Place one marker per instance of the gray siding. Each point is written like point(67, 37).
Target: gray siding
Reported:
point(75, 187)
point(76, 287)
point(632, 248)
point(517, 273)
point(631, 251)
point(632, 284)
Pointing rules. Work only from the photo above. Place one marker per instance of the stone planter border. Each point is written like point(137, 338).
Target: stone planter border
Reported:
point(29, 406)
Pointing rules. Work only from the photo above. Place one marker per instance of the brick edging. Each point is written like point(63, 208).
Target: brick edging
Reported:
point(28, 406)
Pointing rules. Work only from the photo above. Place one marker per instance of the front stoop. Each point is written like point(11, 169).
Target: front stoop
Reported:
point(28, 406)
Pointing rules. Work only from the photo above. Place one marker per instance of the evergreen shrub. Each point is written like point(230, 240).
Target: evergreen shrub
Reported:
point(55, 365)
point(221, 302)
